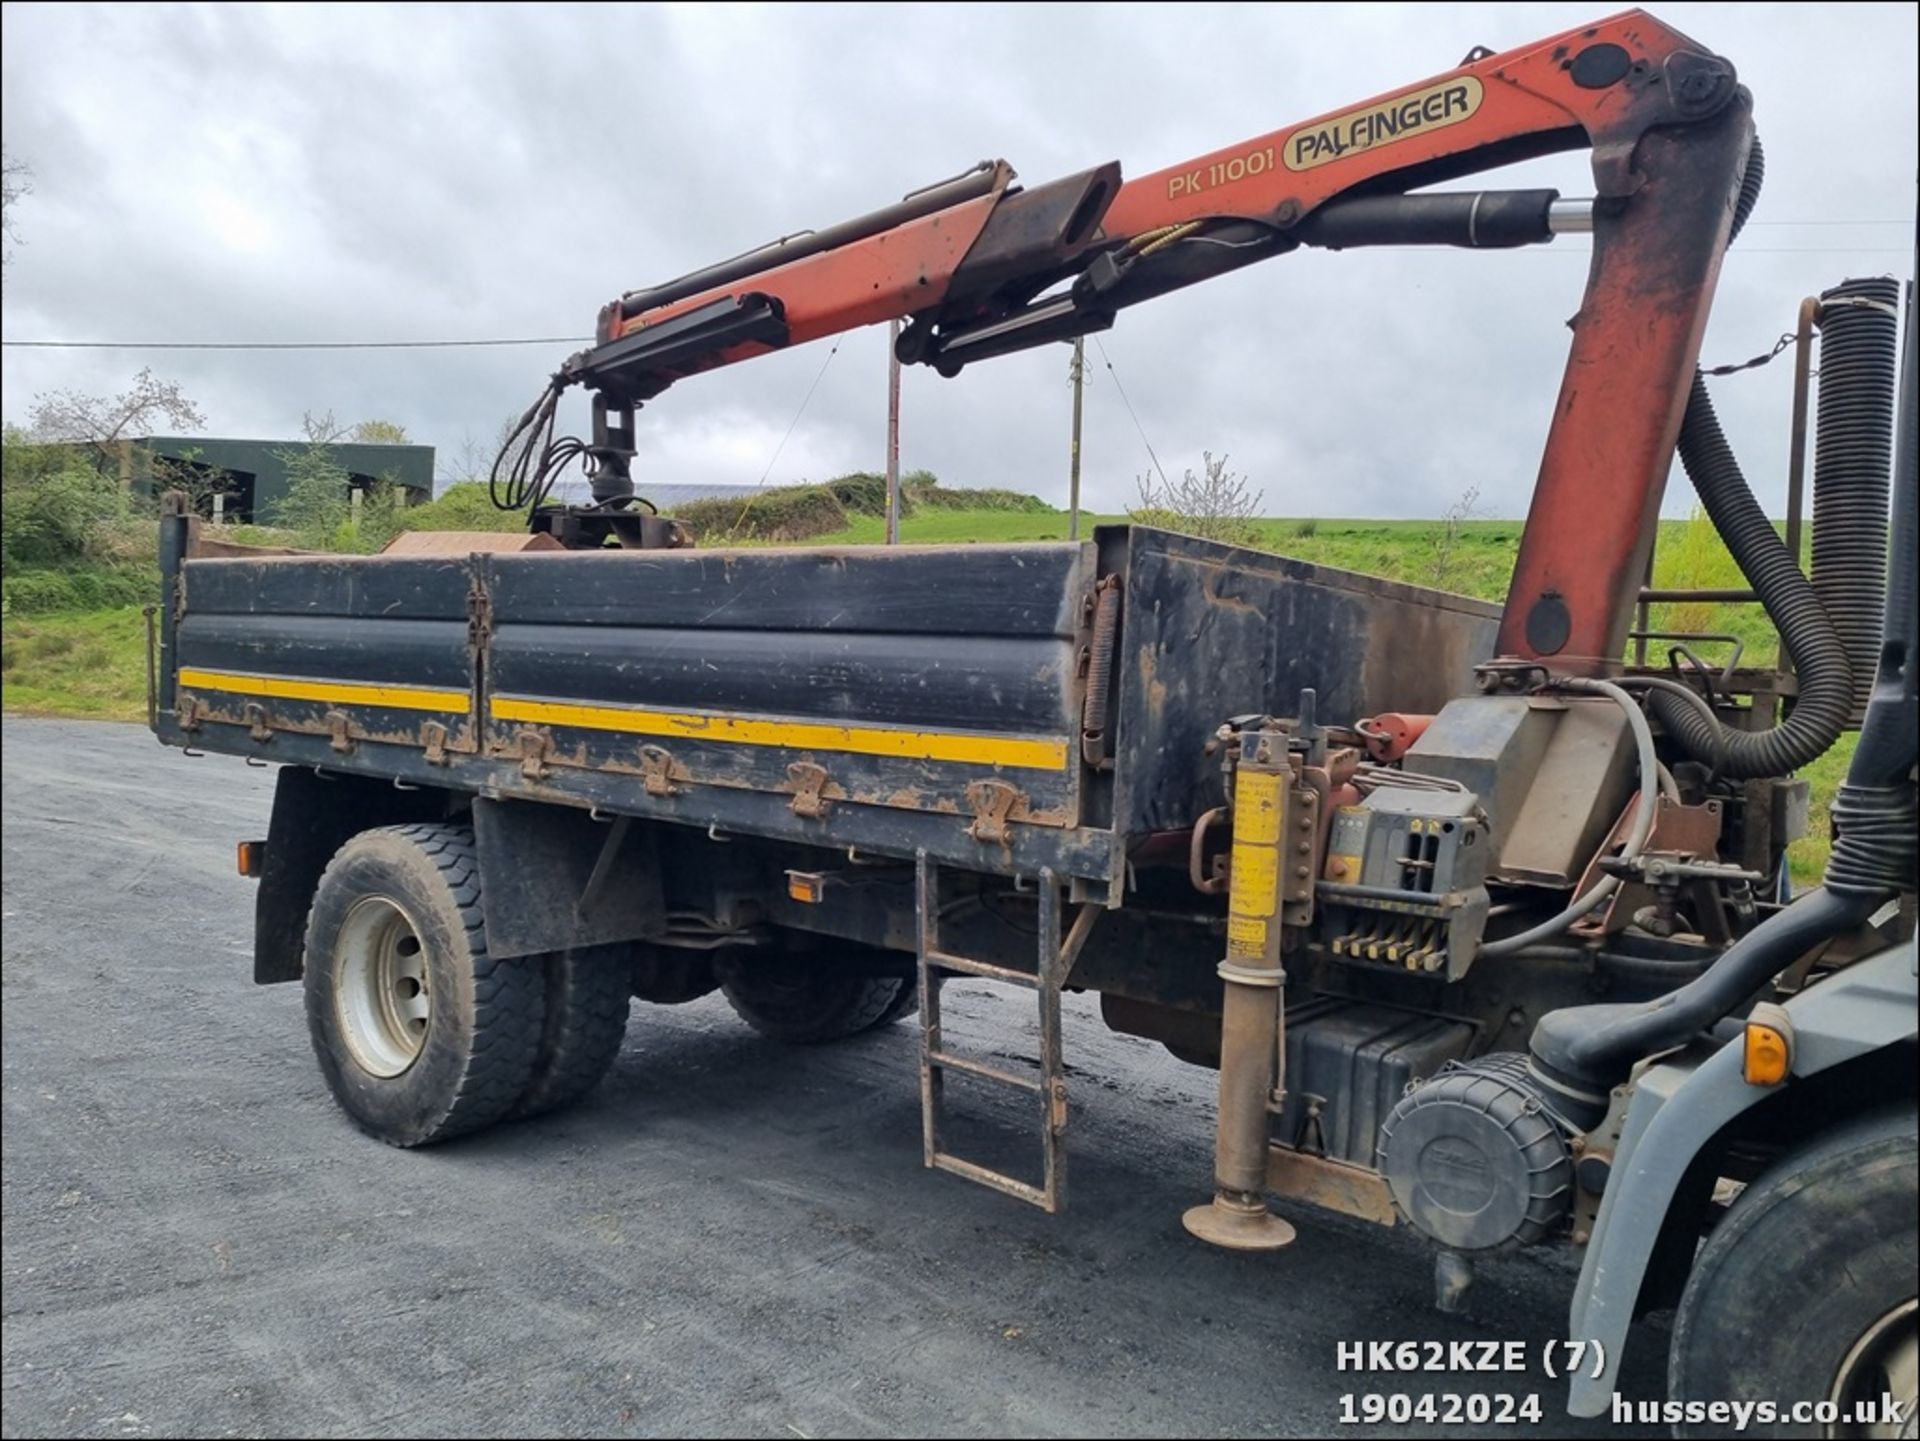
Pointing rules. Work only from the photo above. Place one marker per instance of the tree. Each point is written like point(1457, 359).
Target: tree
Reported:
point(193, 477)
point(472, 460)
point(1446, 567)
point(70, 418)
point(318, 506)
point(1215, 504)
point(380, 432)
point(16, 183)
point(108, 425)
point(322, 428)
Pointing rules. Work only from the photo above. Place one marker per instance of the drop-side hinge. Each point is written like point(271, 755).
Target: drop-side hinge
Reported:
point(259, 723)
point(535, 746)
point(339, 729)
point(809, 788)
point(656, 771)
point(996, 806)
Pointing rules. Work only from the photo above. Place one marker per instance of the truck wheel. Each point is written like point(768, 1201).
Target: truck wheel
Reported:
point(585, 1023)
point(421, 1034)
point(1806, 1290)
point(788, 999)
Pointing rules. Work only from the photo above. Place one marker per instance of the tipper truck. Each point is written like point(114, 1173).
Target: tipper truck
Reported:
point(1482, 913)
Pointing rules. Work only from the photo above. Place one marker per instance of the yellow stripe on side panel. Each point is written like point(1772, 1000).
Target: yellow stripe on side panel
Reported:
point(1022, 752)
point(393, 697)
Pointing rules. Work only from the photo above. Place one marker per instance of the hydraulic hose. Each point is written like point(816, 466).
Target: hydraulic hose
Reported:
point(1686, 695)
point(1826, 680)
point(1636, 838)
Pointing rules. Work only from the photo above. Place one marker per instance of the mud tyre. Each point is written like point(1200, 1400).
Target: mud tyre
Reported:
point(421, 1034)
point(1805, 1290)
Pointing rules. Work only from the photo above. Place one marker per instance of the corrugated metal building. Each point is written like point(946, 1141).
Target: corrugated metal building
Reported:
point(254, 472)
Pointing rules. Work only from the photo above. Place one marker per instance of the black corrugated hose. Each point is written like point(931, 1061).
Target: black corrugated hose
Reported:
point(1826, 680)
point(1852, 460)
point(1876, 815)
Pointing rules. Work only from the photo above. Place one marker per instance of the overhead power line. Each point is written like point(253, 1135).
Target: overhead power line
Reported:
point(1108, 360)
point(805, 401)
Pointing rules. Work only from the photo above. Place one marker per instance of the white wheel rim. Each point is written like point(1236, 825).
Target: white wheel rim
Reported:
point(1886, 1359)
point(380, 987)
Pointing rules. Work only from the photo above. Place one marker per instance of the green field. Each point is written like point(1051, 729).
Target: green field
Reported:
point(76, 663)
point(90, 663)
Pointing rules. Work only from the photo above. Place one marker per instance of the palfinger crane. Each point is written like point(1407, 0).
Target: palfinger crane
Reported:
point(977, 266)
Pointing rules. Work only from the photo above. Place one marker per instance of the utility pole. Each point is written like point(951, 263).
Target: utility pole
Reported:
point(1073, 483)
point(893, 434)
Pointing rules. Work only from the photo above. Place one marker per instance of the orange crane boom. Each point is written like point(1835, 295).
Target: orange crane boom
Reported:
point(978, 266)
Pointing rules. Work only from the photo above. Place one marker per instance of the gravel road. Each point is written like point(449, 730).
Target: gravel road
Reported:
point(730, 1237)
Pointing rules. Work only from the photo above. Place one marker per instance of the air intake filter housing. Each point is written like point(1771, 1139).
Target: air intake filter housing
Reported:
point(1476, 1159)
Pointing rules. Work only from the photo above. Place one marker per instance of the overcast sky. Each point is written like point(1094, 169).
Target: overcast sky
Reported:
point(226, 172)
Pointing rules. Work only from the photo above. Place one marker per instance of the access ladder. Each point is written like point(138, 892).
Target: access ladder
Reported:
point(1053, 961)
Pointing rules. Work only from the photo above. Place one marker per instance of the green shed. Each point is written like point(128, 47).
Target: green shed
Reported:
point(255, 471)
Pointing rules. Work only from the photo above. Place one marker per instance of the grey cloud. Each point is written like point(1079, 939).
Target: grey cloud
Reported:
point(225, 172)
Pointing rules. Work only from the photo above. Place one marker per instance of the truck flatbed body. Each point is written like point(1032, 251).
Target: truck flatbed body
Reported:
point(889, 700)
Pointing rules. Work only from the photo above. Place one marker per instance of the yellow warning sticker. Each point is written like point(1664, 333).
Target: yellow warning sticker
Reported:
point(1246, 938)
point(1256, 807)
point(1255, 888)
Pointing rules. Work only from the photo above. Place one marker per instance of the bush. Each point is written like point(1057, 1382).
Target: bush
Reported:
point(925, 490)
point(36, 592)
point(786, 513)
point(864, 493)
point(53, 507)
point(802, 512)
point(130, 540)
point(465, 506)
point(861, 492)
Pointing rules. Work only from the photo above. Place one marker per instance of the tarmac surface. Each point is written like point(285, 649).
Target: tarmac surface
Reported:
point(730, 1237)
